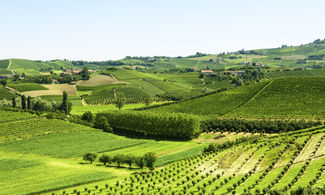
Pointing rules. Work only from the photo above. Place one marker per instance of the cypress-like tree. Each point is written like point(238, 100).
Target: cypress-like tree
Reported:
point(65, 102)
point(29, 102)
point(14, 103)
point(23, 102)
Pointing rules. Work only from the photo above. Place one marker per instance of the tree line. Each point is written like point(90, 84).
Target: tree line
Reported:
point(256, 126)
point(147, 160)
point(159, 125)
point(38, 105)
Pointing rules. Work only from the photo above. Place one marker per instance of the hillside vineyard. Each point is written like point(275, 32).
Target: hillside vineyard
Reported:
point(245, 122)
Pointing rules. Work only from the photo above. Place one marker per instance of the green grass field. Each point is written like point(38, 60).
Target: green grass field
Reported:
point(21, 87)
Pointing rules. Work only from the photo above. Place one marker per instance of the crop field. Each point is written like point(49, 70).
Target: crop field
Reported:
point(295, 97)
point(98, 80)
point(8, 116)
point(22, 87)
point(250, 166)
point(15, 130)
point(214, 105)
point(53, 89)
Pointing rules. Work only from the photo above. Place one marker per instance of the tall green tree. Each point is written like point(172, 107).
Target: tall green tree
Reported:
point(91, 157)
point(65, 105)
point(84, 74)
point(23, 102)
point(147, 100)
point(105, 159)
point(139, 161)
point(150, 159)
point(119, 102)
point(29, 102)
point(14, 103)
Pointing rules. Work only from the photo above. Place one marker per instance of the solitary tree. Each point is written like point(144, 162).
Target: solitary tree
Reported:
point(150, 159)
point(90, 157)
point(147, 100)
point(29, 102)
point(3, 83)
point(65, 106)
point(84, 74)
point(119, 103)
point(14, 103)
point(23, 102)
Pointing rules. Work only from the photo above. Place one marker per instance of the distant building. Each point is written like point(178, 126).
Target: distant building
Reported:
point(195, 68)
point(92, 71)
point(235, 73)
point(207, 72)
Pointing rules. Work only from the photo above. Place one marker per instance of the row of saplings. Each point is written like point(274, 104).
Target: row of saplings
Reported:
point(147, 160)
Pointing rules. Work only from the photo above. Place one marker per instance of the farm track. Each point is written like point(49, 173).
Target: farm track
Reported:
point(9, 65)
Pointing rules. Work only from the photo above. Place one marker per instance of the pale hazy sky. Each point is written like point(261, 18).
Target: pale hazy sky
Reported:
point(112, 29)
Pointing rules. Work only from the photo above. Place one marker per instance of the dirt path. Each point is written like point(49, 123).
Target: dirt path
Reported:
point(10, 62)
point(84, 103)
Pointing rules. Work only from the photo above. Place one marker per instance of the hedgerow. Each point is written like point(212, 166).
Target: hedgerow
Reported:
point(253, 126)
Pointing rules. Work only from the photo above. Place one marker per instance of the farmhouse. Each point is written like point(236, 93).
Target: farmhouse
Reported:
point(195, 68)
point(235, 73)
point(207, 72)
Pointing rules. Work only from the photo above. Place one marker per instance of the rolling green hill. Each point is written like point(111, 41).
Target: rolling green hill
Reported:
point(290, 97)
point(294, 97)
point(216, 104)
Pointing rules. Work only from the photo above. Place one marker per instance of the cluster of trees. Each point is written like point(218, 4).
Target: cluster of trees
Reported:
point(148, 160)
point(37, 104)
point(158, 125)
point(64, 78)
point(261, 126)
point(96, 121)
